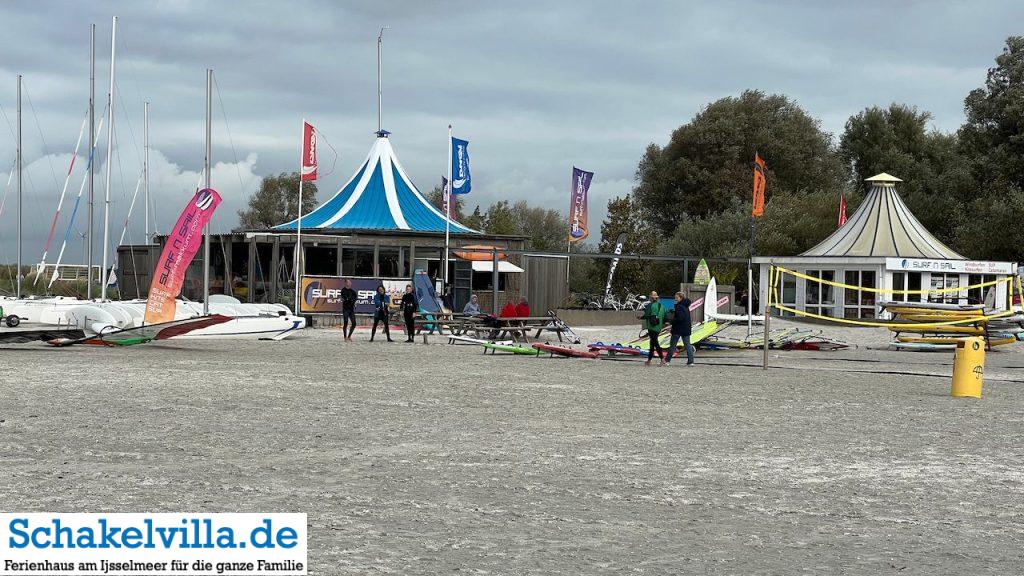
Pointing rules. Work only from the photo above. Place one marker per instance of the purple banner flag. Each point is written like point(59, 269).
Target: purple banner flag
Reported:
point(578, 224)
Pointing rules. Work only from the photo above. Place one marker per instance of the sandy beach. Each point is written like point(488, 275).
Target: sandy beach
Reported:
point(428, 459)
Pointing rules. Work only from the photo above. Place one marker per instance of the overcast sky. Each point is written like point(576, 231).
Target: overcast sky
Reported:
point(536, 87)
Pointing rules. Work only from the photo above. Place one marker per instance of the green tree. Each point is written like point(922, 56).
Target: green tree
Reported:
point(898, 140)
point(276, 202)
point(499, 219)
point(993, 134)
point(474, 220)
point(546, 229)
point(706, 165)
point(436, 197)
point(624, 218)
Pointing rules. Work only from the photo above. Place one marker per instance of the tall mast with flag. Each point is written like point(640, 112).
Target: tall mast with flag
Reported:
point(756, 211)
point(307, 171)
point(578, 219)
point(459, 182)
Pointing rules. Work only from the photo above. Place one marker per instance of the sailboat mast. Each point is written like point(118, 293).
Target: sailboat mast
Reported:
point(206, 172)
point(92, 170)
point(20, 201)
point(110, 150)
point(145, 162)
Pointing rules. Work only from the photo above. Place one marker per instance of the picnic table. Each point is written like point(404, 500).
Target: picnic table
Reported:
point(517, 328)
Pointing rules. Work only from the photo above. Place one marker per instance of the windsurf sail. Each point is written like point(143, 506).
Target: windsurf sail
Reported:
point(147, 333)
point(181, 246)
point(615, 262)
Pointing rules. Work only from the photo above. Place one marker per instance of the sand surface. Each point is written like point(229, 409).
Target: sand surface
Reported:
point(431, 459)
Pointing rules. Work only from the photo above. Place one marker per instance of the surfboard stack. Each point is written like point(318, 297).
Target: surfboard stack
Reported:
point(938, 326)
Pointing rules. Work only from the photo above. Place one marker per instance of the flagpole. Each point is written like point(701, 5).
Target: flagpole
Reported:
point(447, 195)
point(207, 166)
point(750, 279)
point(298, 229)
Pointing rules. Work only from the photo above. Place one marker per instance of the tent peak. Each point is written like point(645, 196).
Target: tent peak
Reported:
point(382, 133)
point(883, 178)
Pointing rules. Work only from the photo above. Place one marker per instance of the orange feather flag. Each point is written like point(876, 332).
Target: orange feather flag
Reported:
point(759, 180)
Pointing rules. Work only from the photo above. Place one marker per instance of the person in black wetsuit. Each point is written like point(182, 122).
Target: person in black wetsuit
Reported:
point(381, 312)
point(348, 310)
point(409, 308)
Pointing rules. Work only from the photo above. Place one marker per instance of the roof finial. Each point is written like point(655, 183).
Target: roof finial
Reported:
point(883, 179)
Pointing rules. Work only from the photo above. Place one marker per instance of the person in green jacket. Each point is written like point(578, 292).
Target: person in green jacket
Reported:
point(654, 321)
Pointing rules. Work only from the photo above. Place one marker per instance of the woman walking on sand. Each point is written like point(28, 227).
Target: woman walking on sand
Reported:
point(381, 313)
point(409, 308)
point(654, 321)
point(681, 327)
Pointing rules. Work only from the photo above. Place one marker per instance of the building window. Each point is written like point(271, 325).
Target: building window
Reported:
point(320, 261)
point(819, 297)
point(788, 294)
point(428, 259)
point(941, 281)
point(394, 261)
point(859, 303)
point(905, 281)
point(977, 295)
point(485, 281)
point(357, 261)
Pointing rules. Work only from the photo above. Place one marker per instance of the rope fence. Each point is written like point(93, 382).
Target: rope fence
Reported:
point(776, 273)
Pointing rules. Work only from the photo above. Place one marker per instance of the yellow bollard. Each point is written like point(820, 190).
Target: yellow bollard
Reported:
point(968, 367)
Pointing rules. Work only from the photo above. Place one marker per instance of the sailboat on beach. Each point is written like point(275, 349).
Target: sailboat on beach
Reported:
point(105, 317)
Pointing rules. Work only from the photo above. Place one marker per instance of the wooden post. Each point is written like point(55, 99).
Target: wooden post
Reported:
point(494, 281)
point(376, 258)
point(229, 277)
point(337, 264)
point(768, 313)
point(275, 267)
point(251, 270)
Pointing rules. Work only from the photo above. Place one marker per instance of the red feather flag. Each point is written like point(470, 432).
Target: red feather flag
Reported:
point(842, 211)
point(308, 152)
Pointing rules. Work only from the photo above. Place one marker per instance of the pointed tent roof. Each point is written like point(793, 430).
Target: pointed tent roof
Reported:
point(883, 227)
point(379, 196)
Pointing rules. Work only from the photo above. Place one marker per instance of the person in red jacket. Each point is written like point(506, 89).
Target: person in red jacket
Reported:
point(509, 311)
point(523, 309)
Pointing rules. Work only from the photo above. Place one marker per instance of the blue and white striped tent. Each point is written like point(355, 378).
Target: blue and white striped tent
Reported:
point(379, 196)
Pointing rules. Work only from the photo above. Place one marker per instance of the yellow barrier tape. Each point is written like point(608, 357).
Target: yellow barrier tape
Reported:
point(891, 325)
point(1008, 279)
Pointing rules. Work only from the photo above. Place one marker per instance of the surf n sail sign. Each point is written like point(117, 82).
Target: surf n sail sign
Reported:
point(182, 245)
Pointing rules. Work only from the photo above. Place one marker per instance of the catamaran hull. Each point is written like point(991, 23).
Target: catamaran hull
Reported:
point(249, 328)
point(248, 321)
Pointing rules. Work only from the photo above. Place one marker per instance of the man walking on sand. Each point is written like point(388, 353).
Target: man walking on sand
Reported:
point(654, 321)
point(681, 328)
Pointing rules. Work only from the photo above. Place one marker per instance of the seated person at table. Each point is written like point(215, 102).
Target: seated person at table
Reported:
point(472, 307)
point(523, 309)
point(509, 311)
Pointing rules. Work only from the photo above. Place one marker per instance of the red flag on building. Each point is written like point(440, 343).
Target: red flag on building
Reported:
point(308, 151)
point(842, 211)
point(759, 179)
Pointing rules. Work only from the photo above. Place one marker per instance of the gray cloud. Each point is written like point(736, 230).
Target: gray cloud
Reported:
point(535, 86)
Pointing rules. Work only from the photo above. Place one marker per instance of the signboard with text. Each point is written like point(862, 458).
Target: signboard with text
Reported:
point(953, 266)
point(322, 294)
